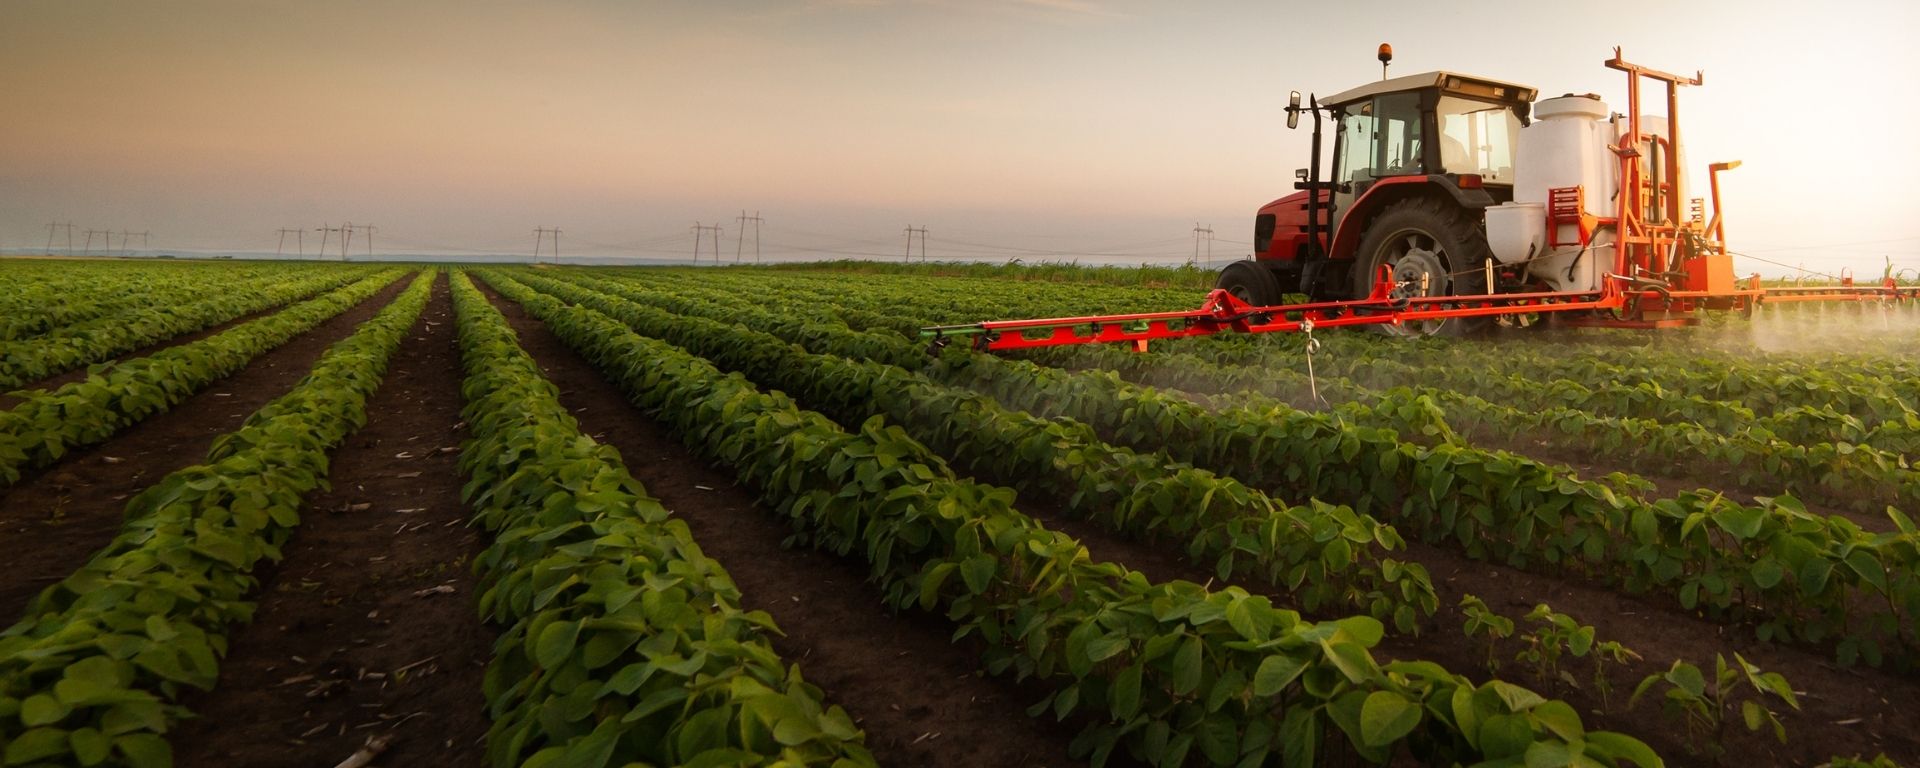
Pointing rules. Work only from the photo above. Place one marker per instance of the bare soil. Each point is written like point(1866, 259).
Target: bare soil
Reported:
point(369, 626)
point(58, 516)
point(922, 699)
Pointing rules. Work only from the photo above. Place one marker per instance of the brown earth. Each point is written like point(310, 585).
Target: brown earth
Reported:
point(57, 517)
point(369, 627)
point(922, 699)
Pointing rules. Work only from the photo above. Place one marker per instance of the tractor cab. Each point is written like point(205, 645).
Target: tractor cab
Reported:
point(1455, 128)
point(1435, 149)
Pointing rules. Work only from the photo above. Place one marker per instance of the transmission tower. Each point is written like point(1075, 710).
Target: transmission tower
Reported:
point(325, 232)
point(699, 230)
point(55, 226)
point(922, 232)
point(740, 240)
point(88, 248)
point(1201, 234)
point(369, 229)
point(540, 234)
point(299, 239)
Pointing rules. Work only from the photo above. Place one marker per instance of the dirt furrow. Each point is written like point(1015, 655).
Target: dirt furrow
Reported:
point(368, 628)
point(56, 517)
point(922, 699)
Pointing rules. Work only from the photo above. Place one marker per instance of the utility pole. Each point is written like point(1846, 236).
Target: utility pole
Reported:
point(124, 237)
point(51, 227)
point(540, 234)
point(50, 237)
point(740, 240)
point(699, 231)
point(1202, 233)
point(922, 232)
point(346, 239)
point(299, 237)
point(88, 250)
point(325, 231)
point(369, 229)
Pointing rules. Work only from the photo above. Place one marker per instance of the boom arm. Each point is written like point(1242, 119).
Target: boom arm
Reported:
point(1388, 304)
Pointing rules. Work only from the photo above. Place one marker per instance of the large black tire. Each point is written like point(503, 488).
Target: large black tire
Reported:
point(1250, 282)
point(1431, 237)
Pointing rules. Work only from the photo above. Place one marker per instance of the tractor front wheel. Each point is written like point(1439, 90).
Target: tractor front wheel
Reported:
point(1436, 248)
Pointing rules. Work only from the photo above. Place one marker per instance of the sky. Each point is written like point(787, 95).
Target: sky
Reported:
point(1096, 130)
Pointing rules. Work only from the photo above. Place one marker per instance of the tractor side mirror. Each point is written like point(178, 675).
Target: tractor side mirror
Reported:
point(1300, 174)
point(1293, 110)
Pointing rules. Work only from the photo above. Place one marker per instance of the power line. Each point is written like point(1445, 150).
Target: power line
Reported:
point(1198, 232)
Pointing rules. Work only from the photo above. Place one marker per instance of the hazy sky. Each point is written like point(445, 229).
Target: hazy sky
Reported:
point(1006, 127)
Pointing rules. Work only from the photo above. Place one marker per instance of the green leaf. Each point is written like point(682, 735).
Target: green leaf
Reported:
point(1386, 717)
point(145, 750)
point(1688, 678)
point(1186, 667)
point(1275, 672)
point(35, 745)
point(1766, 572)
point(41, 709)
point(1504, 736)
point(1754, 714)
point(1741, 521)
point(706, 729)
point(1560, 718)
point(1126, 693)
point(1106, 646)
point(90, 747)
point(1623, 747)
point(556, 643)
point(977, 571)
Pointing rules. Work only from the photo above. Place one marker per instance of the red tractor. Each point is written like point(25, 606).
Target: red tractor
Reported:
point(1417, 160)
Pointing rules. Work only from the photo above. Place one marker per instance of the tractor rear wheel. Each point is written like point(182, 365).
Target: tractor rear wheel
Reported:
point(1250, 282)
point(1432, 243)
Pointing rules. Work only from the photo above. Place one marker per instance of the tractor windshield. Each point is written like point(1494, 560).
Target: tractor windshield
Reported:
point(1477, 137)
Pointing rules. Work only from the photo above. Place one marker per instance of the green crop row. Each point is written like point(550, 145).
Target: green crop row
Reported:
point(1796, 575)
point(1324, 556)
point(1166, 671)
point(47, 425)
point(624, 643)
point(38, 297)
point(1858, 476)
point(70, 347)
point(94, 672)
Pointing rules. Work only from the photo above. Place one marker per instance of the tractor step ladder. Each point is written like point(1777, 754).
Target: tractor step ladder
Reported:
point(1566, 206)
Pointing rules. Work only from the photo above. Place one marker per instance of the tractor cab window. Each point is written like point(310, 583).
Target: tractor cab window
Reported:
point(1477, 137)
point(1380, 138)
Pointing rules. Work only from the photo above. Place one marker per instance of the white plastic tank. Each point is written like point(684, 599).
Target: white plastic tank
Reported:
point(1566, 146)
point(1516, 231)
